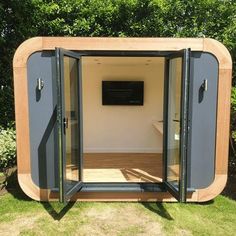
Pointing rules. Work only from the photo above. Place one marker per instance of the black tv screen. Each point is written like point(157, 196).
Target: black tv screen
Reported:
point(122, 92)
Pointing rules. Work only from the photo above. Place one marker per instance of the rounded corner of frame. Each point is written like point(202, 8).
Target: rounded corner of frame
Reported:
point(25, 49)
point(220, 51)
point(214, 189)
point(28, 187)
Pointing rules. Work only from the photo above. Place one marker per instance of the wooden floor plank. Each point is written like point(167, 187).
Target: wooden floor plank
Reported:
point(122, 167)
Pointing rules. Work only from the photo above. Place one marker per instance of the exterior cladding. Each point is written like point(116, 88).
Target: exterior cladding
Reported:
point(43, 132)
point(203, 114)
point(42, 120)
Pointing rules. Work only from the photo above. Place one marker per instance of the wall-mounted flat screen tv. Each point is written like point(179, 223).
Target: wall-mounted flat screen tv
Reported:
point(122, 92)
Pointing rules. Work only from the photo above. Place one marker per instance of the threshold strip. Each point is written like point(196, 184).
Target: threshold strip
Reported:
point(123, 187)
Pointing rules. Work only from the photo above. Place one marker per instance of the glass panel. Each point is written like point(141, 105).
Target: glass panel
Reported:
point(174, 109)
point(71, 121)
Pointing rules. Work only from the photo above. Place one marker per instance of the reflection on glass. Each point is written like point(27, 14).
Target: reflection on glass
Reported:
point(174, 108)
point(72, 120)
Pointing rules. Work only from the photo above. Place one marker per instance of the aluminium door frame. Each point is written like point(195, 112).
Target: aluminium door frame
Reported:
point(121, 186)
point(181, 193)
point(59, 56)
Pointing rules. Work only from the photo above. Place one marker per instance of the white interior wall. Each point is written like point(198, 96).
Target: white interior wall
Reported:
point(122, 128)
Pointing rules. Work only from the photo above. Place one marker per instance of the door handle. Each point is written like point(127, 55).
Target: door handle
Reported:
point(204, 85)
point(65, 124)
point(40, 84)
point(176, 120)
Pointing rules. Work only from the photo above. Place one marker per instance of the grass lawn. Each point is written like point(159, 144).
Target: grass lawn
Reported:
point(21, 216)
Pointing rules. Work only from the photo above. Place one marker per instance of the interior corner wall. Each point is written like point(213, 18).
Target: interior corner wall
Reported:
point(122, 128)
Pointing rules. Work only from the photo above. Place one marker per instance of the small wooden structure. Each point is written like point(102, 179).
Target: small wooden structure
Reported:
point(122, 153)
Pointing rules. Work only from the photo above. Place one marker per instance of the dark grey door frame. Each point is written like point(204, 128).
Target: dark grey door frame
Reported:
point(179, 193)
point(64, 194)
point(133, 187)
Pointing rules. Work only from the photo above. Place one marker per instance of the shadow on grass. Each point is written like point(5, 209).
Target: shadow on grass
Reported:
point(157, 208)
point(56, 210)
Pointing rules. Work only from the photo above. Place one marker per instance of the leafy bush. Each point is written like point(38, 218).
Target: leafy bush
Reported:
point(232, 156)
point(111, 18)
point(233, 100)
point(7, 148)
point(233, 120)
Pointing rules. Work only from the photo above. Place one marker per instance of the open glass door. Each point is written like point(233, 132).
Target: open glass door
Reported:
point(176, 123)
point(69, 119)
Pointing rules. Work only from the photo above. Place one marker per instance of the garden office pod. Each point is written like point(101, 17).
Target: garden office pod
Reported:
point(122, 119)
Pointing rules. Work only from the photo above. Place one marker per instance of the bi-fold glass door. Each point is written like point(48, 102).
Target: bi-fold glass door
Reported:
point(176, 123)
point(69, 120)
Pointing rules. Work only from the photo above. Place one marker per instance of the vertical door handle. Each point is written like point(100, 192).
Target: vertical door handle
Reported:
point(205, 85)
point(40, 84)
point(65, 124)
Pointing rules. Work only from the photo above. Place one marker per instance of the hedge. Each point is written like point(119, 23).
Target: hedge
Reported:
point(22, 19)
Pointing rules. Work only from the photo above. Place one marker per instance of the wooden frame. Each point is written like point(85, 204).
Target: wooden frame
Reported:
point(123, 44)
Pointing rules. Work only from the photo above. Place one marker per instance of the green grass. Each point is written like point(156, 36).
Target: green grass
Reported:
point(217, 217)
point(21, 216)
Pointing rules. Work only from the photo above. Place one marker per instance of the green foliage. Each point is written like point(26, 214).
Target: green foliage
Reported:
point(7, 147)
point(233, 99)
point(233, 114)
point(140, 18)
point(113, 18)
point(17, 24)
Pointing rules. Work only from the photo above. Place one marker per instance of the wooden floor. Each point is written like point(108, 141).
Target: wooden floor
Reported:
point(122, 167)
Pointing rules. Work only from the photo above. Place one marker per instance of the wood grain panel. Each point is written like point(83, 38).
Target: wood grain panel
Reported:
point(219, 51)
point(223, 121)
point(213, 190)
point(22, 120)
point(31, 189)
point(25, 50)
point(129, 44)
